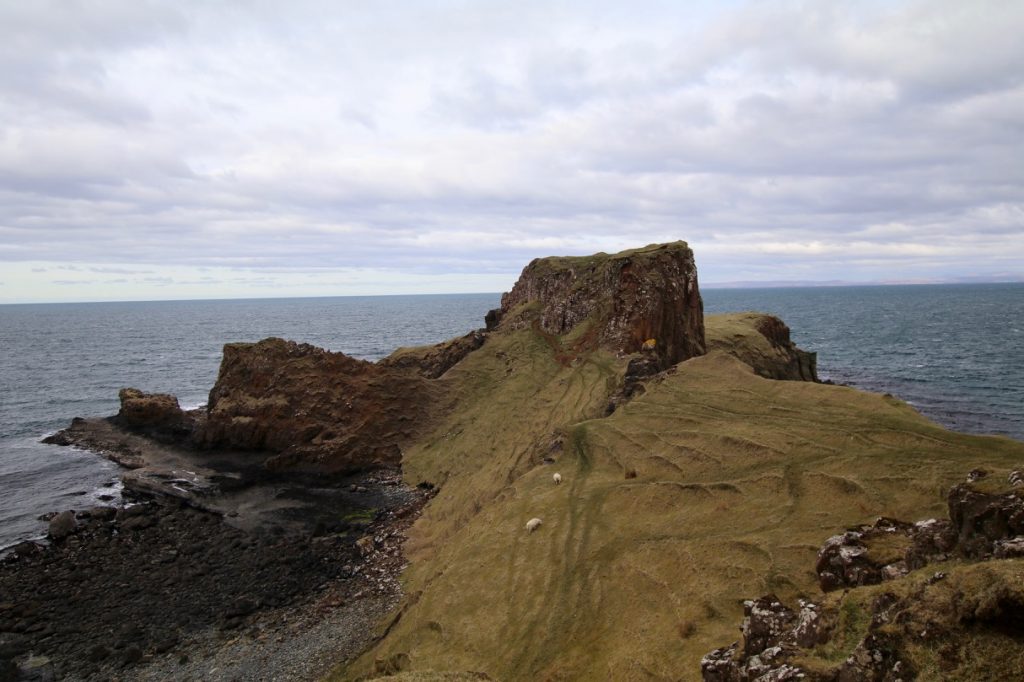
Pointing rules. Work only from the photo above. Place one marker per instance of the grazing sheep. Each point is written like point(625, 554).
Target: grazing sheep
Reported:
point(558, 478)
point(532, 525)
point(1016, 478)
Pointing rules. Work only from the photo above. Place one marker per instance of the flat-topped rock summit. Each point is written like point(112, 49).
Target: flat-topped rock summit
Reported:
point(645, 298)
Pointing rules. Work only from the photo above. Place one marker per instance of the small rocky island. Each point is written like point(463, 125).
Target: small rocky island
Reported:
point(595, 485)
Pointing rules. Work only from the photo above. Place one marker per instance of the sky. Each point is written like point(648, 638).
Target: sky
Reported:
point(179, 149)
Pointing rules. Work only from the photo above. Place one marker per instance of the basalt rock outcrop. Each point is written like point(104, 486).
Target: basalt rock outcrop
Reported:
point(155, 414)
point(314, 410)
point(433, 361)
point(763, 342)
point(643, 298)
point(956, 612)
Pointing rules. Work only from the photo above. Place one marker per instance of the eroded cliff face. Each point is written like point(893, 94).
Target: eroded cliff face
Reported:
point(763, 342)
point(313, 409)
point(624, 300)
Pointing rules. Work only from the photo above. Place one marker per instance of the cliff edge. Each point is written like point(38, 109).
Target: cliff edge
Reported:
point(763, 342)
point(645, 298)
point(315, 410)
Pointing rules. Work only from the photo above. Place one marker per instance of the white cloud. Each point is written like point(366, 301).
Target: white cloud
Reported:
point(458, 141)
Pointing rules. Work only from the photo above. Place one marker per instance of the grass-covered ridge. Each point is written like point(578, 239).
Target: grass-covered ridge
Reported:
point(714, 486)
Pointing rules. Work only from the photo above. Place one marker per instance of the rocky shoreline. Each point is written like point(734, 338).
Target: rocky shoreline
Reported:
point(224, 573)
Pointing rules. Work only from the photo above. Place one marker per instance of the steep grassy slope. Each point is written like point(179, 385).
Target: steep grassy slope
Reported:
point(714, 486)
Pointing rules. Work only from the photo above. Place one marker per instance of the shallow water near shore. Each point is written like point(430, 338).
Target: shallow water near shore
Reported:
point(954, 351)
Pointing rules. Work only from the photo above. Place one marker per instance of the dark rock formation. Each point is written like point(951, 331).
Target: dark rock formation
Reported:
point(763, 342)
point(981, 519)
point(802, 364)
point(771, 632)
point(156, 414)
point(135, 583)
point(983, 526)
point(492, 319)
point(889, 549)
point(626, 299)
point(62, 525)
point(433, 361)
point(317, 411)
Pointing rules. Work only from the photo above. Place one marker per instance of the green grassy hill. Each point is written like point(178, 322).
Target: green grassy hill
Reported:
point(714, 486)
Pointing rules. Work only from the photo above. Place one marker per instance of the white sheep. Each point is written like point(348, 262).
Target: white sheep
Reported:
point(558, 478)
point(533, 524)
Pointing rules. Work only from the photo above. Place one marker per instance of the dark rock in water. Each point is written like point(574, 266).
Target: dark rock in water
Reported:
point(646, 297)
point(26, 548)
point(63, 437)
point(100, 513)
point(156, 414)
point(62, 525)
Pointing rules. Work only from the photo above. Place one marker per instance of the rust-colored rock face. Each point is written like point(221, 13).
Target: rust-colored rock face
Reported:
point(626, 299)
point(315, 410)
point(157, 414)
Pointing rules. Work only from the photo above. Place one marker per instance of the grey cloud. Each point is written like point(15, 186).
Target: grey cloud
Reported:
point(473, 141)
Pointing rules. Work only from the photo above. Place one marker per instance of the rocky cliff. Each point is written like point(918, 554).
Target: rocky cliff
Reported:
point(314, 410)
point(961, 622)
point(645, 298)
point(763, 342)
point(713, 483)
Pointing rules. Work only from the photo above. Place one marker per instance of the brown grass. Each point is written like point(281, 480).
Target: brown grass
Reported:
point(738, 480)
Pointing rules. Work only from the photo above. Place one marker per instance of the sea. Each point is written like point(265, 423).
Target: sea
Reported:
point(955, 352)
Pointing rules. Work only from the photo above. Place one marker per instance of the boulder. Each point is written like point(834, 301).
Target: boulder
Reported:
point(156, 414)
point(982, 518)
point(772, 633)
point(62, 525)
point(889, 549)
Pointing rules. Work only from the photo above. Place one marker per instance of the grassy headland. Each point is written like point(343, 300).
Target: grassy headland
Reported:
point(713, 486)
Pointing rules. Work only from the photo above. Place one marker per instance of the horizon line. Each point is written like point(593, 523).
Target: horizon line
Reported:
point(728, 285)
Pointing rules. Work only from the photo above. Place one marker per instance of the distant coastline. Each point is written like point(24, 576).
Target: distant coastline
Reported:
point(712, 286)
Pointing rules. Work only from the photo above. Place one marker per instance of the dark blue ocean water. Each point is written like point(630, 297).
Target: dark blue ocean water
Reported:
point(956, 352)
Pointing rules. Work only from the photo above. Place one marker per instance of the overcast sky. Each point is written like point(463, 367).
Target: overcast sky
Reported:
point(153, 150)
